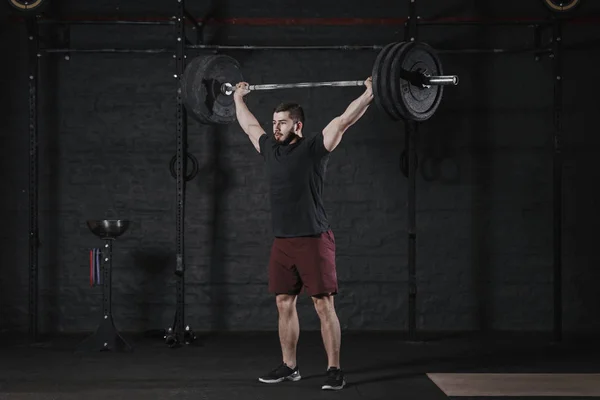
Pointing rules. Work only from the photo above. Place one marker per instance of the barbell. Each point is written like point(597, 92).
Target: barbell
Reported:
point(407, 79)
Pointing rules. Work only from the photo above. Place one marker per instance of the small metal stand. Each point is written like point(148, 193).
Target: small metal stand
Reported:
point(106, 337)
point(172, 339)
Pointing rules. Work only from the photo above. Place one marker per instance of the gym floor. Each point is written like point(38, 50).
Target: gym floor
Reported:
point(377, 366)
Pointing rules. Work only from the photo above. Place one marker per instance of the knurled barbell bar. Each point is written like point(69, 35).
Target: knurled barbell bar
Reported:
point(408, 83)
point(227, 88)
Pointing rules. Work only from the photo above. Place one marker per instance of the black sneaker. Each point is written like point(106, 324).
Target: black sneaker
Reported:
point(281, 373)
point(335, 379)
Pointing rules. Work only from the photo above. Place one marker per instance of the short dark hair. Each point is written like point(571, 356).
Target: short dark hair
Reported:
point(295, 110)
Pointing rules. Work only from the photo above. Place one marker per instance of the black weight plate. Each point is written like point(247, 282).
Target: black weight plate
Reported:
point(415, 102)
point(385, 94)
point(394, 79)
point(379, 86)
point(201, 88)
point(188, 92)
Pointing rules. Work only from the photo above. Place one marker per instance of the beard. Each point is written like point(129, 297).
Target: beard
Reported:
point(291, 136)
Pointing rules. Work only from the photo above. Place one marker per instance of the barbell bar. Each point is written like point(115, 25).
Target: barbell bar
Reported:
point(228, 89)
point(407, 80)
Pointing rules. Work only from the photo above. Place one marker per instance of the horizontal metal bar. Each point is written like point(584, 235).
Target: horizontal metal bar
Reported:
point(482, 22)
point(243, 21)
point(513, 21)
point(105, 22)
point(344, 47)
point(141, 51)
point(494, 51)
point(282, 21)
point(274, 86)
point(367, 47)
point(269, 47)
point(227, 88)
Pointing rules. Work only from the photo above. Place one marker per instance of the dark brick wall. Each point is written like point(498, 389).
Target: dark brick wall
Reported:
point(484, 185)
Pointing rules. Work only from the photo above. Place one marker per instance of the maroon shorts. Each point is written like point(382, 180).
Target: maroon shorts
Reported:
point(303, 262)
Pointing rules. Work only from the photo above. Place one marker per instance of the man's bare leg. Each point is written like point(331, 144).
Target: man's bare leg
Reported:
point(289, 331)
point(289, 328)
point(330, 329)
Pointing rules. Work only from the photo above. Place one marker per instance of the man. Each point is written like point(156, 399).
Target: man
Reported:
point(303, 250)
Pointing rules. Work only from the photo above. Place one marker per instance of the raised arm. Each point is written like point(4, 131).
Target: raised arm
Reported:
point(245, 118)
point(333, 132)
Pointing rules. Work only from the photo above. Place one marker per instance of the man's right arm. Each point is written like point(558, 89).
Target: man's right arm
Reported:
point(248, 121)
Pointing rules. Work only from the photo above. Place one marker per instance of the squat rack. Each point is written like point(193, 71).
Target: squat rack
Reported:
point(179, 52)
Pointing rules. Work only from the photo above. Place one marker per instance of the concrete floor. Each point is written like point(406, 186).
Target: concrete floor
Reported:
point(377, 366)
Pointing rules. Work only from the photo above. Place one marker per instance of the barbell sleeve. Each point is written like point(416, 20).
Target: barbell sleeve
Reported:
point(441, 80)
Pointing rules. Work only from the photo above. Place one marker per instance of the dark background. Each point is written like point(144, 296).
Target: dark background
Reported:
point(484, 185)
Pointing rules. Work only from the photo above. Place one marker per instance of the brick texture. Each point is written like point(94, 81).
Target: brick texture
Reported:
point(484, 185)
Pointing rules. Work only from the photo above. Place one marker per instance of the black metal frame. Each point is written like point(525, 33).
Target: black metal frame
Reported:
point(411, 34)
point(34, 75)
point(557, 161)
point(180, 333)
point(175, 336)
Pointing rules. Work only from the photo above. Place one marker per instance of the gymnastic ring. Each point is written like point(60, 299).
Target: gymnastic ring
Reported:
point(194, 171)
point(30, 6)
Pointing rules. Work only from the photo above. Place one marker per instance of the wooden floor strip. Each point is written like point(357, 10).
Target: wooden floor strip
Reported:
point(583, 385)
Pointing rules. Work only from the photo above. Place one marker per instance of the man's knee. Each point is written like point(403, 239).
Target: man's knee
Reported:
point(324, 304)
point(286, 302)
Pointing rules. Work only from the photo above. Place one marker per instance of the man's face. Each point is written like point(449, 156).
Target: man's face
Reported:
point(284, 129)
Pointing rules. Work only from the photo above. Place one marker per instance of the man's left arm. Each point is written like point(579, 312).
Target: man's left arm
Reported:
point(333, 132)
